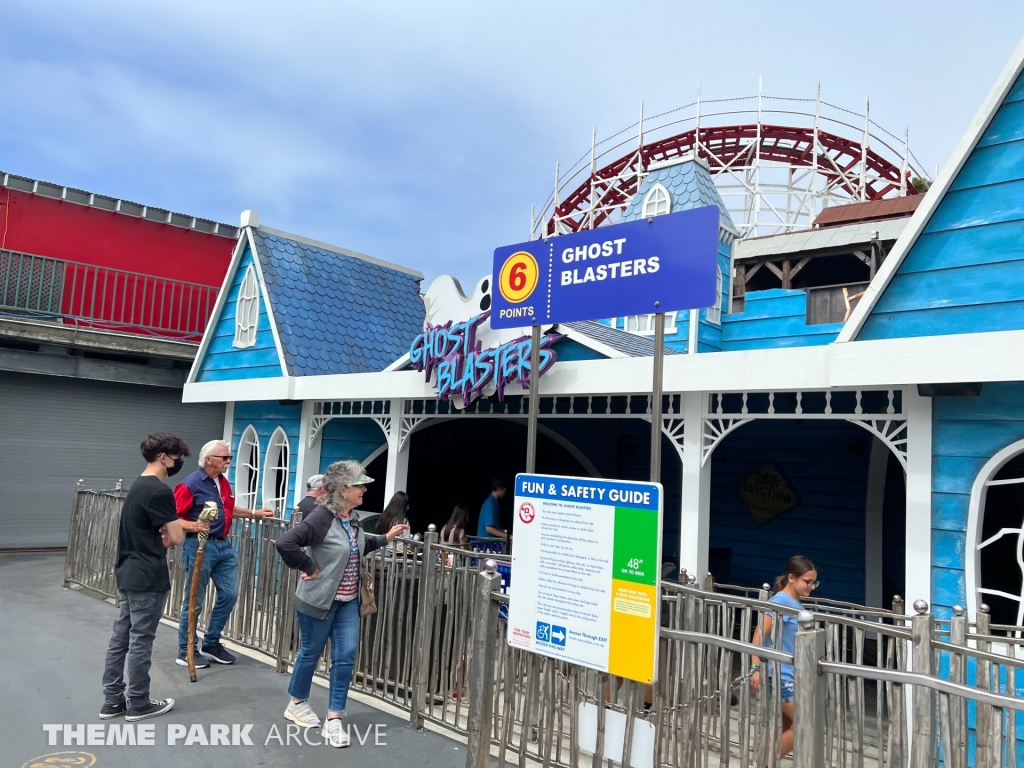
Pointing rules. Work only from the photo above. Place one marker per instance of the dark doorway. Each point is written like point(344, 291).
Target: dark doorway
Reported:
point(452, 462)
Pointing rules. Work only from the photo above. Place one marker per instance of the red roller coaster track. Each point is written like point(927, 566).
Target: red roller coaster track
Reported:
point(722, 147)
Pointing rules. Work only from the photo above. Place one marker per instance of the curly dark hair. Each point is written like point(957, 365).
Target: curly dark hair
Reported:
point(163, 442)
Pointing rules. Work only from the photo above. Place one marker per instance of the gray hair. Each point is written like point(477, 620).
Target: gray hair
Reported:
point(209, 449)
point(340, 475)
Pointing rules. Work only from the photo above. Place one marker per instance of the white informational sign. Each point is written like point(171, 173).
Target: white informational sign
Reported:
point(586, 565)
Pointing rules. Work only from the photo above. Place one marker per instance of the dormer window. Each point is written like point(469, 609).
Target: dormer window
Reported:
point(644, 324)
point(657, 202)
point(247, 311)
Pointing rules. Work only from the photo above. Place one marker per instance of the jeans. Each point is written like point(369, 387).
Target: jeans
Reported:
point(134, 632)
point(342, 628)
point(220, 563)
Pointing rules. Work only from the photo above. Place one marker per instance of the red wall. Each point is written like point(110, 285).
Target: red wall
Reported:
point(45, 227)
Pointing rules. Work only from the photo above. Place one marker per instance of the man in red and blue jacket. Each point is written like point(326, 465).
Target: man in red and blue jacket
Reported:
point(220, 562)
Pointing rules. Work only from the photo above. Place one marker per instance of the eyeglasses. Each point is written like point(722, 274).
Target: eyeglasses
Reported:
point(809, 583)
point(222, 458)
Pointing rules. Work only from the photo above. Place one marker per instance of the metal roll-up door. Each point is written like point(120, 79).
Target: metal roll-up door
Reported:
point(55, 431)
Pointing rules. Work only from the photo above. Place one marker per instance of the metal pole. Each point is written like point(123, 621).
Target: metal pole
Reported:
point(424, 629)
point(531, 422)
point(922, 629)
point(659, 371)
point(983, 680)
point(482, 648)
point(809, 701)
point(956, 757)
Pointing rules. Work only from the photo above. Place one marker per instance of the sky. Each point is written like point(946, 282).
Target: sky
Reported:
point(422, 132)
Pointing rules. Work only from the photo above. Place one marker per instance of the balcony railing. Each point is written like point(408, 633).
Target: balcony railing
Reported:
point(98, 297)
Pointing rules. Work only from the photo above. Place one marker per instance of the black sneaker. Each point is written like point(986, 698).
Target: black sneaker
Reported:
point(152, 710)
point(200, 660)
point(218, 653)
point(110, 711)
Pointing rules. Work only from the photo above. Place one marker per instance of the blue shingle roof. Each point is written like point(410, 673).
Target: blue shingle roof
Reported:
point(627, 343)
point(337, 313)
point(690, 186)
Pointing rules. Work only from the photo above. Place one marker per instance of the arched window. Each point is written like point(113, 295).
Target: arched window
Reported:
point(996, 518)
point(715, 311)
point(247, 310)
point(275, 475)
point(657, 202)
point(247, 472)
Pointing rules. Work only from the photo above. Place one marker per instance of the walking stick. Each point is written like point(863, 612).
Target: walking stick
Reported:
point(209, 513)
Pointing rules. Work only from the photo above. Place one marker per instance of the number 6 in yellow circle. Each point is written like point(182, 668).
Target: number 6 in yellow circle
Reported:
point(518, 277)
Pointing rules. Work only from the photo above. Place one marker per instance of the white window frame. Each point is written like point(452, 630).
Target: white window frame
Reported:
point(975, 526)
point(657, 202)
point(247, 471)
point(247, 310)
point(714, 312)
point(278, 463)
point(647, 321)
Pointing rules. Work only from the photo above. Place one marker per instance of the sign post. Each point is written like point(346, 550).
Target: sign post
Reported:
point(587, 564)
point(649, 266)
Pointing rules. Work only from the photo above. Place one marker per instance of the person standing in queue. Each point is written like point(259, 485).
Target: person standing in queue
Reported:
point(147, 529)
point(220, 562)
point(489, 523)
point(314, 490)
point(797, 582)
point(327, 596)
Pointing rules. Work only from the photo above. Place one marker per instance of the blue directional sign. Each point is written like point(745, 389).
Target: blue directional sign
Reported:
point(662, 264)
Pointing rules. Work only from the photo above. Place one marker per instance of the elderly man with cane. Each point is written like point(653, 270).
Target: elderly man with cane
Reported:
point(220, 562)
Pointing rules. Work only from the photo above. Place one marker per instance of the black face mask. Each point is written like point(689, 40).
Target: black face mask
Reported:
point(178, 464)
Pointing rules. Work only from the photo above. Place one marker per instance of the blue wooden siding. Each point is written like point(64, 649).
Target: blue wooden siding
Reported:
point(826, 463)
point(224, 362)
point(772, 319)
point(567, 350)
point(620, 448)
point(345, 439)
point(965, 273)
point(266, 417)
point(967, 432)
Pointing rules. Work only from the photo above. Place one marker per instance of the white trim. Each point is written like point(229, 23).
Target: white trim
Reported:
point(267, 304)
point(229, 421)
point(279, 442)
point(656, 188)
point(247, 314)
point(674, 316)
point(693, 332)
point(695, 511)
point(308, 456)
point(242, 494)
point(918, 564)
point(342, 251)
point(218, 307)
point(716, 308)
point(935, 194)
point(274, 388)
point(975, 516)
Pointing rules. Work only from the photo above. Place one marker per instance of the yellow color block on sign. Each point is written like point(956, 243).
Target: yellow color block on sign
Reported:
point(634, 631)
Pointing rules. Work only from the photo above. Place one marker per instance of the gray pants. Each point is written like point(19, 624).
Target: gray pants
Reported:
point(134, 632)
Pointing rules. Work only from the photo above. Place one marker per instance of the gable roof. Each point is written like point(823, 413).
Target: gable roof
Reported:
point(936, 194)
point(690, 186)
point(335, 310)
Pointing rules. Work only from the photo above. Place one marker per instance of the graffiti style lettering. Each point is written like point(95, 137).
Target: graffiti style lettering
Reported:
point(453, 353)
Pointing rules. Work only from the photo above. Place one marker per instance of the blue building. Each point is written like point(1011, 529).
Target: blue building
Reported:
point(855, 394)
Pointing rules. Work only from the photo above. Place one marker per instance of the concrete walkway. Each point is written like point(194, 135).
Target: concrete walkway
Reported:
point(54, 641)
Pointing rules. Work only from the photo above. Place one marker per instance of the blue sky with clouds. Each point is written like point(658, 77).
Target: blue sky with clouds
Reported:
point(421, 132)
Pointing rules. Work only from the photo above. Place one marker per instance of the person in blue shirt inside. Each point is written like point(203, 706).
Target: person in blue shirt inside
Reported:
point(797, 582)
point(489, 523)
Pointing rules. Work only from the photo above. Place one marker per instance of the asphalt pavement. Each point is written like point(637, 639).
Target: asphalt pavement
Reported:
point(54, 642)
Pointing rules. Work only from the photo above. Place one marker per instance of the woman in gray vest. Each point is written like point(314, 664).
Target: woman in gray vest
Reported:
point(327, 598)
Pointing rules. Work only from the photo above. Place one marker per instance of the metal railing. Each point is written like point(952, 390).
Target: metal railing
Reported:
point(872, 687)
point(99, 297)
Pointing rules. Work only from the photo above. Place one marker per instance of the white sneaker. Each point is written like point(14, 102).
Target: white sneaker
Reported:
point(335, 733)
point(302, 714)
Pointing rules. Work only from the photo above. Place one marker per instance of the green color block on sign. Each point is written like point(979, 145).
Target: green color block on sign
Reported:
point(635, 554)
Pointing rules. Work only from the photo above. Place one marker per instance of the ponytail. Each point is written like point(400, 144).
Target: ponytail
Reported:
point(797, 565)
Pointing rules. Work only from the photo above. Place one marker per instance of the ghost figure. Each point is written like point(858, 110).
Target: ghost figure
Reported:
point(446, 301)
